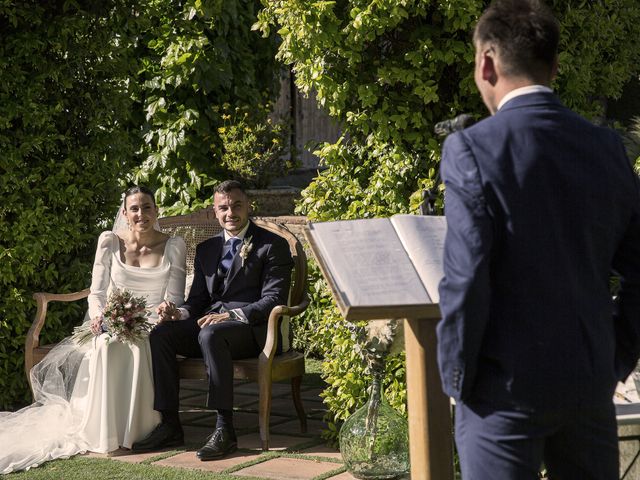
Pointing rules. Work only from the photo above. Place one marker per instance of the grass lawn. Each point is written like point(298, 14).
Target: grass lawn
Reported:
point(82, 468)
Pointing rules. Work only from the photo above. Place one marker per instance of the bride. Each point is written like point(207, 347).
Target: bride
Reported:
point(99, 396)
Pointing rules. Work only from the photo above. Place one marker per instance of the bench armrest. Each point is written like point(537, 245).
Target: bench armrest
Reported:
point(271, 344)
point(33, 335)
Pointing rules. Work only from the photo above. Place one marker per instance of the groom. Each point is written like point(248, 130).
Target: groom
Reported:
point(239, 276)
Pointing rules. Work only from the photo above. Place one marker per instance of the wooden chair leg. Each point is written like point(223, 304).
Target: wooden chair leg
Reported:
point(264, 411)
point(297, 401)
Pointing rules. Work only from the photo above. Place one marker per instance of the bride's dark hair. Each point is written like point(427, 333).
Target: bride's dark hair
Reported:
point(139, 189)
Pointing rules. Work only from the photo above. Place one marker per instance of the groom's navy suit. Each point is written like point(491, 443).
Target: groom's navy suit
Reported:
point(541, 206)
point(254, 288)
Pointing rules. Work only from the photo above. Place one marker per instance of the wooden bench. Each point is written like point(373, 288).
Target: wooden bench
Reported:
point(265, 369)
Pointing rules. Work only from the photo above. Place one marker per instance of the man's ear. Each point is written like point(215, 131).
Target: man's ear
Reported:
point(554, 69)
point(488, 71)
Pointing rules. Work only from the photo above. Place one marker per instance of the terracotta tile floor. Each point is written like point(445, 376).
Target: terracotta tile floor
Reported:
point(292, 456)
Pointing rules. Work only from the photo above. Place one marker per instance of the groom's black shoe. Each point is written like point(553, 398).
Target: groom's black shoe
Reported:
point(221, 442)
point(163, 436)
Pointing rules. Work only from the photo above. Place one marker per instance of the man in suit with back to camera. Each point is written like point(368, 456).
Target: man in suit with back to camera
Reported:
point(541, 207)
point(239, 276)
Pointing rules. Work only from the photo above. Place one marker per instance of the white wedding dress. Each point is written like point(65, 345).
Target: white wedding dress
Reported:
point(99, 396)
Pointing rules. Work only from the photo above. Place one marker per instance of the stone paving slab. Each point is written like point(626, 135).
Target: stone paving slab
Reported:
point(312, 394)
point(245, 400)
point(316, 414)
point(314, 427)
point(284, 468)
point(323, 450)
point(277, 389)
point(343, 476)
point(195, 399)
point(314, 408)
point(199, 400)
point(276, 442)
point(197, 417)
point(348, 476)
point(193, 384)
point(244, 421)
point(123, 455)
point(189, 460)
point(284, 406)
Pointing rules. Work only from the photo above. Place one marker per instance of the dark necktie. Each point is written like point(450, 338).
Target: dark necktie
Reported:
point(225, 263)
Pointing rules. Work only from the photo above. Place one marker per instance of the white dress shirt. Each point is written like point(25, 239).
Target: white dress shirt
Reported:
point(523, 91)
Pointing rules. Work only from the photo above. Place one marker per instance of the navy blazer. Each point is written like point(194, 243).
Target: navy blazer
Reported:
point(255, 288)
point(541, 205)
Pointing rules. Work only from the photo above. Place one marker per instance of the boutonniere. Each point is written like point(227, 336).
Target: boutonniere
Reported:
point(245, 250)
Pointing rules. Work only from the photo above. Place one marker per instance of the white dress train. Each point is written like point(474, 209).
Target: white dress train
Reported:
point(99, 396)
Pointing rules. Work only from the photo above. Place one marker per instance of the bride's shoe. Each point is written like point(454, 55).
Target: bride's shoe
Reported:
point(163, 436)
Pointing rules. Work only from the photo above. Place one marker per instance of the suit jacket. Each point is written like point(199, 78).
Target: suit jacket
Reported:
point(255, 288)
point(541, 205)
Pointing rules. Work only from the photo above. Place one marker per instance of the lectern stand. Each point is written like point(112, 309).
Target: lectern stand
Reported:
point(406, 251)
point(430, 439)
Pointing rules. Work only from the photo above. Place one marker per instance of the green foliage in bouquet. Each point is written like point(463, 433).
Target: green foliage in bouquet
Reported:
point(387, 71)
point(254, 146)
point(65, 137)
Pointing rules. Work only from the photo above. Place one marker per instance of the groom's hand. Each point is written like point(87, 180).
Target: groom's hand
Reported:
point(213, 318)
point(167, 311)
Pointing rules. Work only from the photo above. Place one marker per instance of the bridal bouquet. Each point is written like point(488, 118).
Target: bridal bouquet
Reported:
point(125, 319)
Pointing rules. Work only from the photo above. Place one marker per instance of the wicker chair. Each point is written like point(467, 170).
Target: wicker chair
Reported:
point(265, 369)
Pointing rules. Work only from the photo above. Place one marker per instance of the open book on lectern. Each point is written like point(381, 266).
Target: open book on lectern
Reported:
point(382, 267)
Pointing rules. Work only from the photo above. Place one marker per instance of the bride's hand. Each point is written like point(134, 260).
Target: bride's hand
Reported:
point(96, 325)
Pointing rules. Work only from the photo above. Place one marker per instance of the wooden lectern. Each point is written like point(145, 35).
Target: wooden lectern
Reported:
point(390, 268)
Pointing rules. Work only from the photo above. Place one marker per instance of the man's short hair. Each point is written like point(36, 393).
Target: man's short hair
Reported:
point(229, 185)
point(525, 33)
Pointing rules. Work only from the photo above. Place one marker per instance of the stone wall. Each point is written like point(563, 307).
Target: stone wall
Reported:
point(295, 224)
point(273, 202)
point(277, 205)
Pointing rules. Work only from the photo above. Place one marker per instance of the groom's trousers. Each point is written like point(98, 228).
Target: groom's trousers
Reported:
point(218, 344)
